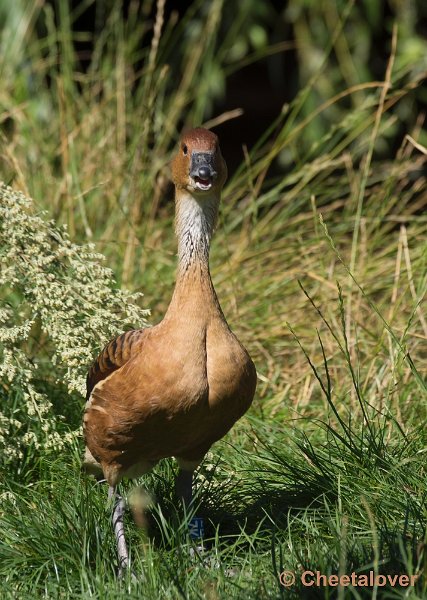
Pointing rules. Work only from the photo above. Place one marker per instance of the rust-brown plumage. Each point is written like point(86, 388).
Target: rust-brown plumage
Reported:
point(175, 388)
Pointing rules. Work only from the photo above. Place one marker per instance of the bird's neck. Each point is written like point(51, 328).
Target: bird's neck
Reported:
point(194, 224)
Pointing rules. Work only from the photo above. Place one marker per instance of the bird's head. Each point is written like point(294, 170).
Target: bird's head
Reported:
point(198, 166)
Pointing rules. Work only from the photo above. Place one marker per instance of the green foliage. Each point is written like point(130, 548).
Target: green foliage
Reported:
point(343, 45)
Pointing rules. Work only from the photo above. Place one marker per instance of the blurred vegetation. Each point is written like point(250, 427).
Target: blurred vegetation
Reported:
point(319, 262)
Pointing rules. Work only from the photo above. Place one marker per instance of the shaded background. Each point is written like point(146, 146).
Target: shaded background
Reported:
point(294, 35)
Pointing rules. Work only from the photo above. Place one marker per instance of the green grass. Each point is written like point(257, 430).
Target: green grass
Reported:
point(330, 499)
point(321, 272)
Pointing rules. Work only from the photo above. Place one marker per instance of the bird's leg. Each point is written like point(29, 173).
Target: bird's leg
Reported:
point(184, 490)
point(184, 487)
point(119, 530)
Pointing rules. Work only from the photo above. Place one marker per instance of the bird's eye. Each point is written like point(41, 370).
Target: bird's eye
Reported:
point(185, 149)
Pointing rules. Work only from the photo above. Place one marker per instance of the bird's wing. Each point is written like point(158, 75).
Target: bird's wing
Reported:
point(115, 354)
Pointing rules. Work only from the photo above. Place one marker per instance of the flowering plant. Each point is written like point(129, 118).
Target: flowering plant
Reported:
point(58, 306)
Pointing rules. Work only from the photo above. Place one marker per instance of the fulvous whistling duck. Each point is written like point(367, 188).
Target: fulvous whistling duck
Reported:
point(174, 389)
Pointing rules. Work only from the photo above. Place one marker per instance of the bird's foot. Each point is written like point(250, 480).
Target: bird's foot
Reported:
point(200, 554)
point(198, 550)
point(125, 570)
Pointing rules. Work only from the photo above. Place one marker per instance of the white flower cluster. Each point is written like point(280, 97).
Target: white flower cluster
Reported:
point(58, 306)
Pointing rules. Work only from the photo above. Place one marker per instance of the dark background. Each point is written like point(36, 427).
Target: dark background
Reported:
point(263, 87)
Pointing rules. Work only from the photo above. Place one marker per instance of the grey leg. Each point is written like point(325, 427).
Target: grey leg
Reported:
point(184, 487)
point(119, 530)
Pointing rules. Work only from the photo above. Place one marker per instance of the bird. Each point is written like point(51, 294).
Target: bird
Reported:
point(175, 388)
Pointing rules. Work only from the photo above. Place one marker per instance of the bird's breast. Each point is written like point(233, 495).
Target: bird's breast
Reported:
point(179, 393)
point(230, 373)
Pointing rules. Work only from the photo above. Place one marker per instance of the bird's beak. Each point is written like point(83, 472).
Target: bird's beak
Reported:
point(202, 169)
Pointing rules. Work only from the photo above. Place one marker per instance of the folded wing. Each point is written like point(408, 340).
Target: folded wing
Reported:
point(115, 354)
